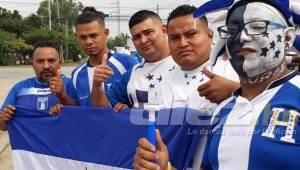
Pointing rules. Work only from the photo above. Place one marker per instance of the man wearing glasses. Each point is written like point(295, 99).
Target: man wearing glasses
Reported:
point(257, 127)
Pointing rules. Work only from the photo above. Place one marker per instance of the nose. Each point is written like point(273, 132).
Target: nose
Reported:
point(89, 41)
point(144, 39)
point(244, 37)
point(46, 65)
point(183, 42)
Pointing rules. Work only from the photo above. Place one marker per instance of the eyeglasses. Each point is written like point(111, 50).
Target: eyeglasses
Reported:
point(251, 28)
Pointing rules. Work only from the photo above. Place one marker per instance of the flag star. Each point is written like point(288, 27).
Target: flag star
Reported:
point(264, 51)
point(277, 54)
point(152, 86)
point(272, 45)
point(201, 80)
point(194, 77)
point(279, 38)
point(265, 34)
point(149, 77)
point(159, 79)
point(187, 83)
point(186, 75)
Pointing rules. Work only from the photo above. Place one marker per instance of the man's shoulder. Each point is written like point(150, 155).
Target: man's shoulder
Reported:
point(123, 58)
point(79, 68)
point(26, 83)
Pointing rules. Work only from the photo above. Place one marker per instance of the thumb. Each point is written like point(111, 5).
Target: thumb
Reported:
point(159, 142)
point(104, 59)
point(58, 73)
point(208, 73)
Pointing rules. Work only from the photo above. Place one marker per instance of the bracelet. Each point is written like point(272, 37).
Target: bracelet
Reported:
point(169, 166)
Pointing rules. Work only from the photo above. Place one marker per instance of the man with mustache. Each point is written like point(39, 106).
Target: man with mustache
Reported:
point(149, 36)
point(92, 36)
point(190, 45)
point(139, 85)
point(259, 123)
point(47, 89)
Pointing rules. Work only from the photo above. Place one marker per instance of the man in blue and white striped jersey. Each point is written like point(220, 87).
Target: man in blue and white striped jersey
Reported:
point(92, 36)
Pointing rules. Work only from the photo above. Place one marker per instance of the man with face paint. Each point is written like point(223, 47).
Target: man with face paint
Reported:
point(260, 122)
point(189, 41)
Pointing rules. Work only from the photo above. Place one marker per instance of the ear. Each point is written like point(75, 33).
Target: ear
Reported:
point(106, 32)
point(210, 33)
point(164, 28)
point(290, 36)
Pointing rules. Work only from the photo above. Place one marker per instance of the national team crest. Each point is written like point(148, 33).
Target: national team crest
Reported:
point(42, 103)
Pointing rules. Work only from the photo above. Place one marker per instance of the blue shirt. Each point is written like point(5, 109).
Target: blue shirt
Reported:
point(261, 134)
point(33, 94)
point(83, 75)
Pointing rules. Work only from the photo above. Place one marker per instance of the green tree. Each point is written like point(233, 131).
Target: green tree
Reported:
point(34, 21)
point(68, 10)
point(118, 41)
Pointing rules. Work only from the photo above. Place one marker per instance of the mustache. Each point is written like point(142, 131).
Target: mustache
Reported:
point(47, 71)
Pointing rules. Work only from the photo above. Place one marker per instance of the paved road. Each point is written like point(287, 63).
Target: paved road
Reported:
point(8, 77)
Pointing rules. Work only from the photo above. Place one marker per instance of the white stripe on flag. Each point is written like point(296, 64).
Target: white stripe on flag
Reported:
point(26, 160)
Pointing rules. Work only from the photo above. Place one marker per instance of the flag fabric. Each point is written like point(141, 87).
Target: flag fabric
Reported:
point(82, 138)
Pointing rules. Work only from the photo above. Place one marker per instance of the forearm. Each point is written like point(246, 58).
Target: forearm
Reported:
point(3, 126)
point(99, 99)
point(66, 100)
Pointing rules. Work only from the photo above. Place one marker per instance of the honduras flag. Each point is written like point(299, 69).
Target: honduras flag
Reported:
point(82, 138)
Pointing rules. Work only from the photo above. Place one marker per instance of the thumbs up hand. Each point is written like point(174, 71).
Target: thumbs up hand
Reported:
point(102, 72)
point(57, 85)
point(218, 88)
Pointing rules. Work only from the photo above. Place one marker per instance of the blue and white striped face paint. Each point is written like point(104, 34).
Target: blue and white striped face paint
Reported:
point(257, 57)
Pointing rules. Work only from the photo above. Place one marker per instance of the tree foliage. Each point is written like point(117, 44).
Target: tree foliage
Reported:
point(118, 41)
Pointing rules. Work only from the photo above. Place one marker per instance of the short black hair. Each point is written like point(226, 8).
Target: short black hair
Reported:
point(244, 2)
point(90, 14)
point(183, 10)
point(45, 43)
point(141, 16)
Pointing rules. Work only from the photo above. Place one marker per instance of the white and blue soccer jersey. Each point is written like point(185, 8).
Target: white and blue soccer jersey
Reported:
point(180, 90)
point(261, 134)
point(137, 86)
point(82, 76)
point(33, 94)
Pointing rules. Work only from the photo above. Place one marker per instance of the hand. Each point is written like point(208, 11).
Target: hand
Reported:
point(120, 106)
point(57, 85)
point(102, 72)
point(55, 110)
point(217, 88)
point(6, 114)
point(146, 154)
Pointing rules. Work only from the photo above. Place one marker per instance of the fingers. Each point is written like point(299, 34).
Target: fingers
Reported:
point(58, 73)
point(159, 142)
point(208, 73)
point(8, 113)
point(55, 110)
point(145, 155)
point(203, 89)
point(120, 106)
point(101, 74)
point(104, 59)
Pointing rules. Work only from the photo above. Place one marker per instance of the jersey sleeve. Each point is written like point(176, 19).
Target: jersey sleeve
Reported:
point(118, 91)
point(131, 62)
point(70, 89)
point(11, 97)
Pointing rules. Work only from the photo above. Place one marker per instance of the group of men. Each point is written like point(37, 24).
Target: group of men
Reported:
point(176, 72)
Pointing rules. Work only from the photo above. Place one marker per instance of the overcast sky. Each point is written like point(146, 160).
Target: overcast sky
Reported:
point(127, 8)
